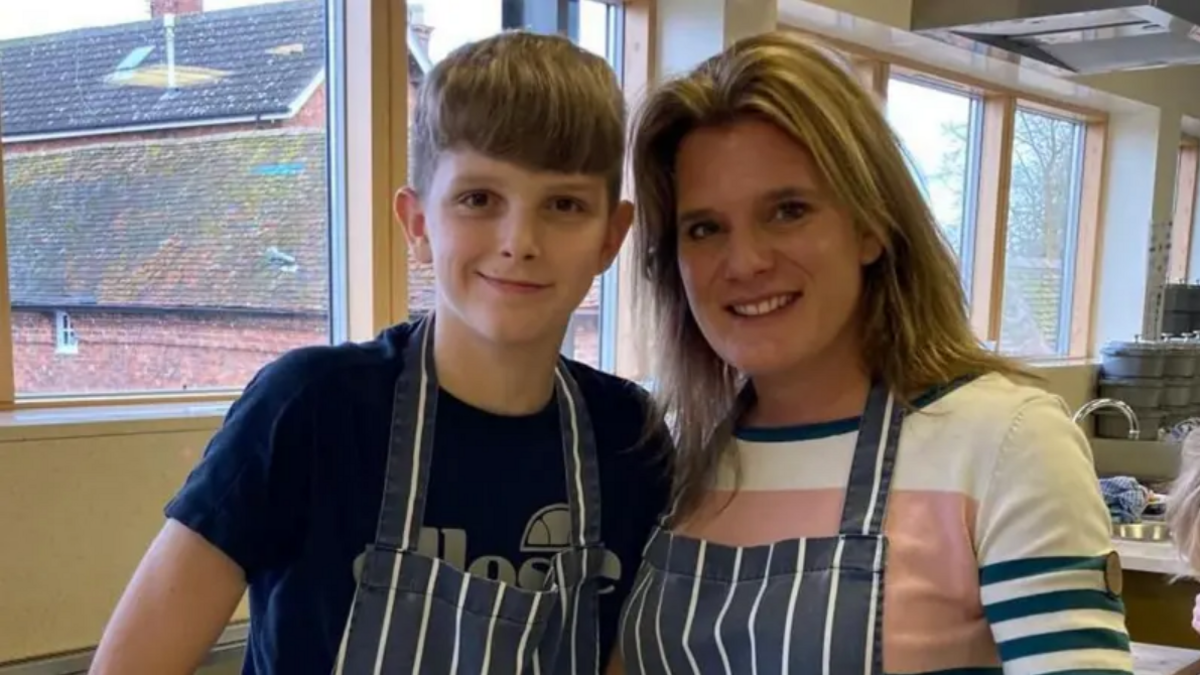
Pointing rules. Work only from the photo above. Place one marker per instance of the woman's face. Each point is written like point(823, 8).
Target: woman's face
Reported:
point(771, 264)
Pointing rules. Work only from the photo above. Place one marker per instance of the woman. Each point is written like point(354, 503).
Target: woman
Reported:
point(884, 494)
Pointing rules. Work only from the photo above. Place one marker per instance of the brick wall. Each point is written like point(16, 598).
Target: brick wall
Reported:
point(127, 351)
point(146, 351)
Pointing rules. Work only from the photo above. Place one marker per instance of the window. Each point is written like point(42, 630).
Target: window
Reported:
point(940, 130)
point(438, 27)
point(1015, 183)
point(1043, 227)
point(65, 339)
point(1185, 211)
point(166, 188)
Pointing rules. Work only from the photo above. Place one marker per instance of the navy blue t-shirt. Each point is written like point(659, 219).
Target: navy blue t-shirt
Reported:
point(291, 485)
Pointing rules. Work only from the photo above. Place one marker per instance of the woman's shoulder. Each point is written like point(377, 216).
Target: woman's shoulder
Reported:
point(991, 402)
point(966, 431)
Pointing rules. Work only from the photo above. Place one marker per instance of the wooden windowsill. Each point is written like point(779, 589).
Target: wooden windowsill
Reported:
point(90, 419)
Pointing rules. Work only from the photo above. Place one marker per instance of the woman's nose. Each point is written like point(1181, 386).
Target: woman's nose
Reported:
point(747, 254)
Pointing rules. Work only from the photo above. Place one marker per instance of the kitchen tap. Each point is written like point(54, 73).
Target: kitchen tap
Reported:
point(1092, 406)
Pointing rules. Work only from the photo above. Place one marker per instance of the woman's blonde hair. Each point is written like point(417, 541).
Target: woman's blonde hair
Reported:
point(1183, 504)
point(915, 330)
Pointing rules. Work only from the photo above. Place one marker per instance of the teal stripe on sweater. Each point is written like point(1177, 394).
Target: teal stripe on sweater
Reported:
point(1064, 641)
point(1032, 567)
point(1048, 603)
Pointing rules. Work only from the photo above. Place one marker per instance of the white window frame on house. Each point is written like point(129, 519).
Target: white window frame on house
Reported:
point(66, 340)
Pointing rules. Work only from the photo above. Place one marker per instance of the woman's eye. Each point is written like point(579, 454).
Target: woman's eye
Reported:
point(791, 211)
point(701, 230)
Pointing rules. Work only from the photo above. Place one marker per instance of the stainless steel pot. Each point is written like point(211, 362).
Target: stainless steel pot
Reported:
point(1181, 356)
point(1144, 392)
point(1177, 392)
point(1136, 359)
point(1177, 321)
point(1112, 424)
point(1191, 294)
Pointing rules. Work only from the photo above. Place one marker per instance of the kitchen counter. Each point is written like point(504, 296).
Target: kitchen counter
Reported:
point(1158, 607)
point(1158, 660)
point(1156, 557)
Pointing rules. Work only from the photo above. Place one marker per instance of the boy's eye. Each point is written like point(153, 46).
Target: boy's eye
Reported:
point(476, 200)
point(567, 205)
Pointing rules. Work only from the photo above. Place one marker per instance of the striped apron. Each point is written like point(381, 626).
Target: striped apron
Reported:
point(415, 614)
point(809, 606)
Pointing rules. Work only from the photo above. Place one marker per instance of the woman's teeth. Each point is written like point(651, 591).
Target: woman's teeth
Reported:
point(763, 307)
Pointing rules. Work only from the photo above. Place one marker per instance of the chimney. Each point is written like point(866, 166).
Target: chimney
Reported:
point(161, 8)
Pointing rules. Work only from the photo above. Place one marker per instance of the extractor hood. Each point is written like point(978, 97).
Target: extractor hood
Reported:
point(1070, 36)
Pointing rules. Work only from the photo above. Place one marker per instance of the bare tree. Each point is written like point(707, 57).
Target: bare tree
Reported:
point(1042, 192)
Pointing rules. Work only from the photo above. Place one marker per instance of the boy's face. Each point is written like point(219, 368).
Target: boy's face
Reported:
point(514, 250)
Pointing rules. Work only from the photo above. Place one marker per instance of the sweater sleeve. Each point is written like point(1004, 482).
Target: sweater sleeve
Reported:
point(1049, 577)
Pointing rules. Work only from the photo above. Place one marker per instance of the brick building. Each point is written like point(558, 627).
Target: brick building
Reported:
point(166, 188)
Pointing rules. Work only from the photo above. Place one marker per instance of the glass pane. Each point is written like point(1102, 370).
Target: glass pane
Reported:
point(166, 190)
point(935, 127)
point(1043, 212)
point(443, 25)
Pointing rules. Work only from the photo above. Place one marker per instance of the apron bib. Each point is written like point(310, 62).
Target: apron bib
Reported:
point(811, 606)
point(414, 614)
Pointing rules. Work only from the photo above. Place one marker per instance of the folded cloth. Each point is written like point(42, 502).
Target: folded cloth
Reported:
point(1125, 497)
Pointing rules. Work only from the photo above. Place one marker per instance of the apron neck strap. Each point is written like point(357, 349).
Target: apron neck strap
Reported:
point(870, 480)
point(410, 453)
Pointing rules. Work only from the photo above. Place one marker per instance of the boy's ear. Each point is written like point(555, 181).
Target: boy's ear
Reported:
point(618, 228)
point(411, 215)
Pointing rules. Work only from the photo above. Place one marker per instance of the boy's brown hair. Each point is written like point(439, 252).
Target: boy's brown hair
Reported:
point(537, 101)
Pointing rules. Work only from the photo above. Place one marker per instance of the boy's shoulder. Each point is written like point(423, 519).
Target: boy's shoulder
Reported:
point(620, 409)
point(609, 393)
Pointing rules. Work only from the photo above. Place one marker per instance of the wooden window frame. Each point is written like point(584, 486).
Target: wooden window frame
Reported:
point(375, 76)
point(987, 284)
point(991, 210)
point(375, 72)
point(639, 19)
point(1178, 264)
point(7, 381)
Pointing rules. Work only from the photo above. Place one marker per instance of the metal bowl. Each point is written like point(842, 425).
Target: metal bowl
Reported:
point(1142, 531)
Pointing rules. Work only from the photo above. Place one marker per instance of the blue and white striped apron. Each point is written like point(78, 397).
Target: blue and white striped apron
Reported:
point(415, 614)
point(809, 606)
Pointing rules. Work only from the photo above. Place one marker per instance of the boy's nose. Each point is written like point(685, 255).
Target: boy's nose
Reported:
point(519, 239)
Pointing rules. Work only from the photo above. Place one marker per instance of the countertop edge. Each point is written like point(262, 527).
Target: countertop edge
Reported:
point(1146, 556)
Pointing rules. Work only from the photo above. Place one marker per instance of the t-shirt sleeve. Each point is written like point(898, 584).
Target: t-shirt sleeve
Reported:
point(1049, 577)
point(246, 494)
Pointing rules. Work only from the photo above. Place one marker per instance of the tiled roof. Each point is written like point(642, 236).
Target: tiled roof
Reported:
point(252, 61)
point(235, 221)
point(206, 223)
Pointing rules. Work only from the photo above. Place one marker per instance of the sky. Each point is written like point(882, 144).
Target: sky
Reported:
point(456, 21)
point(20, 18)
point(919, 114)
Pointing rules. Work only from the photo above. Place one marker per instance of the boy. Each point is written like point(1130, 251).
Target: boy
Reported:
point(507, 540)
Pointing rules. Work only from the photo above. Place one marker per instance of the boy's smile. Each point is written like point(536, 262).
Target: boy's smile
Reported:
point(507, 284)
point(514, 249)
